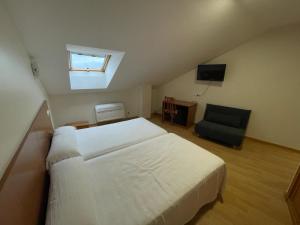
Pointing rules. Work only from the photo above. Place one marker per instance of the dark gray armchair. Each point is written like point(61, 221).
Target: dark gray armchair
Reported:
point(224, 124)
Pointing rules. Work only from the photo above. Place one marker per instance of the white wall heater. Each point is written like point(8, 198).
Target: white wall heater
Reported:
point(112, 111)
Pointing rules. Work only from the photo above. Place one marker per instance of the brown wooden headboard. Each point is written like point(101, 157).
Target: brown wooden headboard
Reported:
point(24, 186)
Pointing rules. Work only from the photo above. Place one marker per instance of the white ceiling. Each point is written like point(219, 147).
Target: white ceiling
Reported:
point(162, 38)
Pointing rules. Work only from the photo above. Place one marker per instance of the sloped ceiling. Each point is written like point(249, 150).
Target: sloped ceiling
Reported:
point(162, 38)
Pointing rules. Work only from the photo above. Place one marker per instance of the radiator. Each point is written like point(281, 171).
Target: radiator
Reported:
point(112, 111)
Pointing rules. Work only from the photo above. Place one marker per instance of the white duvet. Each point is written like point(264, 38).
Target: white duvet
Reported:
point(164, 180)
point(96, 141)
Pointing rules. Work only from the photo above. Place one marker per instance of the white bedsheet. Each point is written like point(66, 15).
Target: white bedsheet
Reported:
point(96, 141)
point(71, 200)
point(162, 181)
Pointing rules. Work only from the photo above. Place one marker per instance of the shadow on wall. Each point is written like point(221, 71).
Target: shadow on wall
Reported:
point(209, 83)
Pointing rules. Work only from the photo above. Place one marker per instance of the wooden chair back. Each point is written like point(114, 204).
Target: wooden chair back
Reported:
point(169, 108)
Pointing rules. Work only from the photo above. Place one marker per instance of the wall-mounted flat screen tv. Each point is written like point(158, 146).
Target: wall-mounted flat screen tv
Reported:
point(211, 72)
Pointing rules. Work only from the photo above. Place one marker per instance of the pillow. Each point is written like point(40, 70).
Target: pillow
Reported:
point(63, 146)
point(71, 197)
point(225, 119)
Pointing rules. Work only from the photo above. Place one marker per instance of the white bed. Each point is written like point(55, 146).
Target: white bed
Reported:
point(164, 181)
point(96, 141)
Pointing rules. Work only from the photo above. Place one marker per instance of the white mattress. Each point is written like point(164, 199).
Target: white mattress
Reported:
point(162, 181)
point(96, 141)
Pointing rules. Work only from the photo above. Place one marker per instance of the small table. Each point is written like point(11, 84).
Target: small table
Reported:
point(79, 124)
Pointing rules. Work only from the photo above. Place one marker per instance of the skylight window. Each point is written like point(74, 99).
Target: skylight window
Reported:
point(87, 63)
point(91, 68)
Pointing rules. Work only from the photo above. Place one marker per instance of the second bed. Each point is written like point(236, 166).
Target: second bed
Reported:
point(96, 141)
point(164, 181)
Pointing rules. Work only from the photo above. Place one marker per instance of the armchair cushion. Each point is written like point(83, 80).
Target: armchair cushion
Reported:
point(221, 132)
point(225, 119)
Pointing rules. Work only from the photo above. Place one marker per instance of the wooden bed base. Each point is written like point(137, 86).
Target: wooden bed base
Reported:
point(24, 186)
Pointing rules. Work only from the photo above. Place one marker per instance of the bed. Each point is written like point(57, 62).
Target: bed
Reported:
point(96, 141)
point(163, 180)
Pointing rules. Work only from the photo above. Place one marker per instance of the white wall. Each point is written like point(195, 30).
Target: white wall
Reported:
point(20, 94)
point(145, 95)
point(76, 107)
point(262, 75)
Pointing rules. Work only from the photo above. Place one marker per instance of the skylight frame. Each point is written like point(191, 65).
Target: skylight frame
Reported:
point(102, 69)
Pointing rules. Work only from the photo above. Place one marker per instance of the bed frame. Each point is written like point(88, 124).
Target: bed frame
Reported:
point(25, 183)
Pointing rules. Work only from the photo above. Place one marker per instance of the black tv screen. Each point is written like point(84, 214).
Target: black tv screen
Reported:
point(212, 72)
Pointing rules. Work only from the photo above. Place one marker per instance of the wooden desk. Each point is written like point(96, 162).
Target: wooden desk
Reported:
point(185, 112)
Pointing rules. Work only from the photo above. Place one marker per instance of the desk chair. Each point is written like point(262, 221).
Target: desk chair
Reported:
point(169, 108)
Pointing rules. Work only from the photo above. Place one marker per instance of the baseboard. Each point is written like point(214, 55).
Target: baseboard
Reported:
point(270, 143)
point(255, 139)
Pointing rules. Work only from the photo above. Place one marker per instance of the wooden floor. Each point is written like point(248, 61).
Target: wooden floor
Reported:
point(258, 176)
